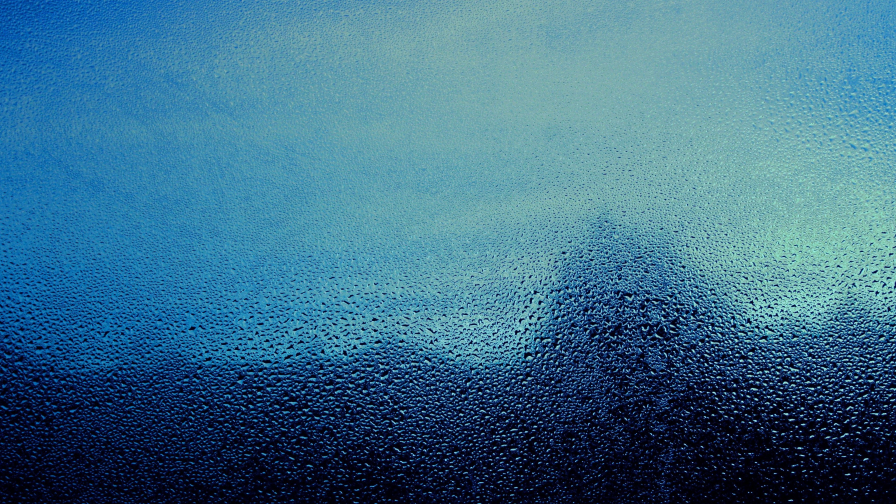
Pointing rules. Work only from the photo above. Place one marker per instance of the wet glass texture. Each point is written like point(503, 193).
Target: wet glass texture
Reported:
point(447, 251)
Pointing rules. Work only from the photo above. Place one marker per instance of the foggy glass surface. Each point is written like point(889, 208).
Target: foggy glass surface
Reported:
point(439, 251)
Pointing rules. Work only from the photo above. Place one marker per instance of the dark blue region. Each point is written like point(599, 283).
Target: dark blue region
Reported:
point(645, 387)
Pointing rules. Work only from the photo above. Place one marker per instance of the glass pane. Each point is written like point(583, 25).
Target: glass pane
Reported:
point(508, 251)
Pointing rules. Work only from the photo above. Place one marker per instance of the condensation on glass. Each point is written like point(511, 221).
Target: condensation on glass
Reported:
point(507, 251)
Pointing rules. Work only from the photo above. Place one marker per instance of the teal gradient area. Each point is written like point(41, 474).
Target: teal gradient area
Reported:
point(302, 187)
point(152, 146)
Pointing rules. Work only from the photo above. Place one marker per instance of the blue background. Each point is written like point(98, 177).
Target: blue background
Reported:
point(447, 251)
